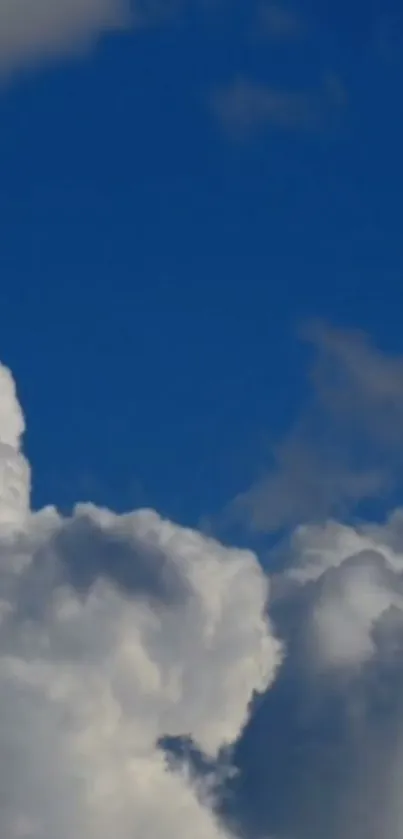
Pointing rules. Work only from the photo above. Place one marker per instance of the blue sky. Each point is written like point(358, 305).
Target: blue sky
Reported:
point(201, 255)
point(156, 263)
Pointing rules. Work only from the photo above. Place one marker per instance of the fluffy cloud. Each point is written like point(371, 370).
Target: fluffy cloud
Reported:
point(116, 631)
point(323, 753)
point(355, 582)
point(119, 634)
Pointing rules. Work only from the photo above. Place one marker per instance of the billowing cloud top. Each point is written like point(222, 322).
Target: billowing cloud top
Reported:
point(116, 631)
point(14, 470)
point(323, 753)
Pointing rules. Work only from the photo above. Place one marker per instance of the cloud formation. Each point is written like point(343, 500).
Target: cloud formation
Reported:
point(276, 21)
point(116, 631)
point(347, 446)
point(125, 639)
point(245, 107)
point(323, 752)
point(41, 29)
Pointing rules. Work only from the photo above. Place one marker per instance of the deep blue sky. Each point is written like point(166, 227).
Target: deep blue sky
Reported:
point(154, 267)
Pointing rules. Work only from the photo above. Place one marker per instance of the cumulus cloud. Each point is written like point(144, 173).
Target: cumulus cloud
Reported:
point(14, 470)
point(115, 633)
point(346, 446)
point(322, 754)
point(354, 580)
point(142, 662)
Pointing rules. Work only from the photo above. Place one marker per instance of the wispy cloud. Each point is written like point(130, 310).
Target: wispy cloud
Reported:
point(245, 107)
point(41, 30)
point(276, 21)
point(348, 444)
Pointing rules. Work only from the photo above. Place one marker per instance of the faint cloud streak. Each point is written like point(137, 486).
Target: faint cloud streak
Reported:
point(275, 21)
point(245, 107)
point(346, 447)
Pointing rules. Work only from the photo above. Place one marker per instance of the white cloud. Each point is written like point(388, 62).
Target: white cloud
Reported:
point(326, 745)
point(355, 580)
point(350, 646)
point(165, 635)
point(14, 470)
point(325, 748)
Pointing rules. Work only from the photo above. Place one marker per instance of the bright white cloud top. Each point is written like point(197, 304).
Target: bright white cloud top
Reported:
point(355, 580)
point(116, 631)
